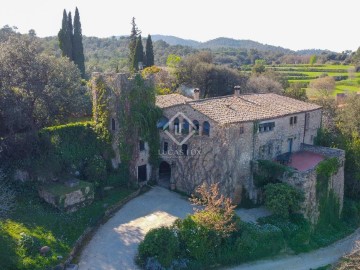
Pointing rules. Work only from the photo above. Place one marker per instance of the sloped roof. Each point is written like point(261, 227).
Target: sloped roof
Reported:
point(243, 108)
point(165, 101)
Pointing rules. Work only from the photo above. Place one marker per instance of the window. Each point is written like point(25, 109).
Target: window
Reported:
point(176, 126)
point(166, 147)
point(206, 128)
point(293, 120)
point(241, 130)
point(184, 149)
point(265, 127)
point(185, 127)
point(197, 125)
point(113, 124)
point(142, 145)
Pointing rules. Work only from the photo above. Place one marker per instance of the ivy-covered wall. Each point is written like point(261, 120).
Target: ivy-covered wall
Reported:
point(322, 186)
point(125, 105)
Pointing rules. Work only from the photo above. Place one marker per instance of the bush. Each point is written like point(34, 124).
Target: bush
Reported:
point(160, 243)
point(197, 241)
point(95, 171)
point(296, 230)
point(259, 241)
point(283, 199)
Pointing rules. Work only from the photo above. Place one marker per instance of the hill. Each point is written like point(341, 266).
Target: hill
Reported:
point(172, 40)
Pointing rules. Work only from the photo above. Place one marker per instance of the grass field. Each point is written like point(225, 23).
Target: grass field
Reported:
point(346, 79)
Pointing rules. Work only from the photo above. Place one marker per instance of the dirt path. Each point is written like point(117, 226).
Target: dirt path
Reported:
point(114, 245)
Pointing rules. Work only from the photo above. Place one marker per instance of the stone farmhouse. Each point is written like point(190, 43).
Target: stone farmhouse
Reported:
point(221, 139)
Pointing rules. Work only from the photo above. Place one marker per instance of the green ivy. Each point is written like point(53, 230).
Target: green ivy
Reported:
point(329, 206)
point(138, 119)
point(101, 110)
point(269, 172)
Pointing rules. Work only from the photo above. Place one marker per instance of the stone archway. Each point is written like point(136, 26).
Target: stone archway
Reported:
point(164, 174)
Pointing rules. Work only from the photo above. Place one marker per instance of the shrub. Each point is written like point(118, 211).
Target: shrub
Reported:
point(197, 241)
point(160, 243)
point(95, 171)
point(259, 241)
point(216, 212)
point(296, 230)
point(283, 199)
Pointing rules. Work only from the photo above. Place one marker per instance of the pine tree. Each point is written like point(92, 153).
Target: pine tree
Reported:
point(78, 49)
point(149, 52)
point(132, 43)
point(138, 54)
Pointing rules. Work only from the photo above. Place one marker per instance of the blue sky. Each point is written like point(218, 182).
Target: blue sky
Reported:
point(292, 24)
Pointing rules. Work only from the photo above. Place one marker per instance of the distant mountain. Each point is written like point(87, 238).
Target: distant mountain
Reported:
point(171, 40)
point(223, 42)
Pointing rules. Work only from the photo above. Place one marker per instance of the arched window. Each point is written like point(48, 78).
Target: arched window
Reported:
point(176, 125)
point(197, 125)
point(185, 127)
point(113, 124)
point(206, 128)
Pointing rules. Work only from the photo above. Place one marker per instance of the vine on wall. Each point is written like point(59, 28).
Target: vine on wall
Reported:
point(329, 207)
point(101, 110)
point(138, 117)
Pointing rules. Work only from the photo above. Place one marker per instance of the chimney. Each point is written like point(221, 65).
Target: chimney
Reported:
point(237, 90)
point(196, 94)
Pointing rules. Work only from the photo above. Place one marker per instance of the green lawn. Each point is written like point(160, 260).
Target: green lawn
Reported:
point(47, 226)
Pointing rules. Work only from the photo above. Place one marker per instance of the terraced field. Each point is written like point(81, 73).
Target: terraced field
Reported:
point(347, 80)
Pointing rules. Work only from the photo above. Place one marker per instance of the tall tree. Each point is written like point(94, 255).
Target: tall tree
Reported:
point(65, 35)
point(149, 52)
point(135, 32)
point(138, 54)
point(70, 34)
point(78, 49)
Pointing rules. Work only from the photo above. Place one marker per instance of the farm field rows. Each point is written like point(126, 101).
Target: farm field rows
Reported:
point(347, 80)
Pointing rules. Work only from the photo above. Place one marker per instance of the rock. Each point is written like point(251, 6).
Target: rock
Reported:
point(44, 250)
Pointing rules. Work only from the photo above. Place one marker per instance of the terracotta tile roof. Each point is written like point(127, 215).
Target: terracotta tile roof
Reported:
point(243, 108)
point(165, 101)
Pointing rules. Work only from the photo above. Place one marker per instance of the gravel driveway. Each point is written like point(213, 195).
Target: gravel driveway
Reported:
point(114, 245)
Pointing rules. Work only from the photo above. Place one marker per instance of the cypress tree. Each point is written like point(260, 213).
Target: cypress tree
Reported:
point(138, 54)
point(65, 36)
point(78, 49)
point(149, 52)
point(70, 36)
point(61, 34)
point(132, 43)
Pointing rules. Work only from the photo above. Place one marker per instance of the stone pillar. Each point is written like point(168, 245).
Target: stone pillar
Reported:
point(200, 129)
